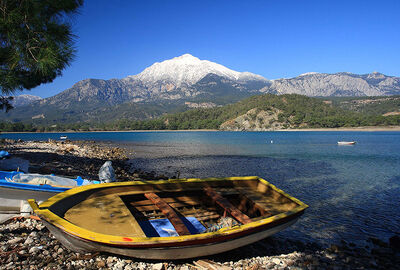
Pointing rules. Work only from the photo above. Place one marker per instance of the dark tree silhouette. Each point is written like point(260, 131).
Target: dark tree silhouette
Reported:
point(36, 43)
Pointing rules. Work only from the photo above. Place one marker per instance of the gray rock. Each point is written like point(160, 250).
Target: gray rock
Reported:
point(276, 261)
point(34, 250)
point(15, 240)
point(28, 241)
point(110, 260)
point(157, 266)
point(119, 265)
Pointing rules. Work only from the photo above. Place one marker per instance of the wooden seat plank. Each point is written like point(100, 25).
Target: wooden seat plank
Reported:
point(169, 200)
point(154, 207)
point(227, 206)
point(169, 212)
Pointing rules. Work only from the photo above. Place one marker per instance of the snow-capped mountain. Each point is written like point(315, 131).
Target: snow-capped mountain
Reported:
point(188, 70)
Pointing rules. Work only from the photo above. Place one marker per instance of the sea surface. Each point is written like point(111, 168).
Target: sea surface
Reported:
point(353, 191)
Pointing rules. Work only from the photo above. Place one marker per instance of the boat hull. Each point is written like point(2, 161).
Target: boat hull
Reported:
point(118, 217)
point(77, 244)
point(13, 201)
point(346, 143)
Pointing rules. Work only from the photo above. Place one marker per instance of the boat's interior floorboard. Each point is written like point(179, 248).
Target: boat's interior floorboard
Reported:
point(120, 212)
point(106, 214)
point(272, 205)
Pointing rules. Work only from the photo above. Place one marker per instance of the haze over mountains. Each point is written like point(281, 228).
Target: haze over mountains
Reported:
point(173, 84)
point(23, 100)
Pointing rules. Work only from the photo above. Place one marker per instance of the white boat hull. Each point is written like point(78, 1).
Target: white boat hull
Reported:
point(14, 201)
point(346, 143)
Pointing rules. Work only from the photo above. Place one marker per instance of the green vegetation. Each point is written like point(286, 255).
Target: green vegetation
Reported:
point(295, 111)
point(36, 43)
point(369, 105)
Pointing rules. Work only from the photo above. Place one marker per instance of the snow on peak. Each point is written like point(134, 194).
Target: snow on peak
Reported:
point(187, 69)
point(308, 73)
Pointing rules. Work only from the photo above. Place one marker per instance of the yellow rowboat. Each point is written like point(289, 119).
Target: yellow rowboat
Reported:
point(170, 219)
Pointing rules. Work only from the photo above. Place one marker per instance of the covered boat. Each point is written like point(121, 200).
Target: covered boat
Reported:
point(168, 219)
point(17, 187)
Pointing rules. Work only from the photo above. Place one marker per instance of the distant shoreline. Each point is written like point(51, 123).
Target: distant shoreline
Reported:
point(386, 128)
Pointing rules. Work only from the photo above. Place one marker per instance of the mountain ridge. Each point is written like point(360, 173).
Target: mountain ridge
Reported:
point(188, 79)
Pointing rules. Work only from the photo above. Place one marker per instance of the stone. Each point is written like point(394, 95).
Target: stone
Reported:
point(110, 260)
point(330, 256)
point(394, 242)
point(28, 241)
point(378, 242)
point(15, 240)
point(119, 265)
point(334, 248)
point(33, 250)
point(157, 266)
point(276, 261)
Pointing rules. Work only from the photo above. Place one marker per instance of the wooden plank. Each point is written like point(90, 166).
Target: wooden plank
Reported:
point(181, 199)
point(154, 207)
point(169, 212)
point(207, 217)
point(227, 206)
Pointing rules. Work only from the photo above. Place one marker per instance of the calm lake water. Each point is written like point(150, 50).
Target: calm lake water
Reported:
point(353, 191)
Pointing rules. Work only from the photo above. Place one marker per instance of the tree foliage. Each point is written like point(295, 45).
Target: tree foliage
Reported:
point(296, 111)
point(36, 42)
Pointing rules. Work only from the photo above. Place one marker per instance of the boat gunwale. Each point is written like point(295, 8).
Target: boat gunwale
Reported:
point(34, 187)
point(89, 235)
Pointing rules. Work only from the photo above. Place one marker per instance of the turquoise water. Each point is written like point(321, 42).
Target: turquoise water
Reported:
point(353, 191)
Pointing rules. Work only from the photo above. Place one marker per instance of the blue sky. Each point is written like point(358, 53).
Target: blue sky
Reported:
point(276, 39)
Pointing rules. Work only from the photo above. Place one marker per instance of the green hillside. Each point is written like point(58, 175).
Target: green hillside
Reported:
point(294, 111)
point(263, 112)
point(368, 105)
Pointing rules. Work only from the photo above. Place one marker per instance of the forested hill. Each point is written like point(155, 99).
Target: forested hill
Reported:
point(270, 112)
point(263, 112)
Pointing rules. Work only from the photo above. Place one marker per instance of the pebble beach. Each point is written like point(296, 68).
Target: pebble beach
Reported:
point(26, 244)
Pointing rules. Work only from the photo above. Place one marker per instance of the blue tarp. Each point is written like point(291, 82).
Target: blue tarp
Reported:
point(4, 154)
point(164, 228)
point(15, 185)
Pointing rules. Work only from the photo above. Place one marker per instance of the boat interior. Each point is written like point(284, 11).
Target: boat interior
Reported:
point(172, 208)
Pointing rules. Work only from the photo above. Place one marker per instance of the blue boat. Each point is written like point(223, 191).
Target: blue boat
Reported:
point(17, 187)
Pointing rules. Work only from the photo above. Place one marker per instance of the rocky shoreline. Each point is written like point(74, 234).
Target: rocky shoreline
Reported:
point(26, 244)
point(74, 158)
